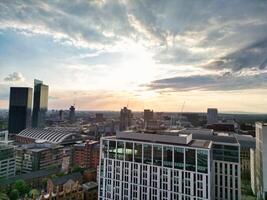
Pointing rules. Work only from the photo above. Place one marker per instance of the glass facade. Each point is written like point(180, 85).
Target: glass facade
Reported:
point(202, 161)
point(167, 156)
point(157, 155)
point(20, 103)
point(147, 153)
point(40, 102)
point(178, 158)
point(228, 153)
point(190, 159)
point(138, 152)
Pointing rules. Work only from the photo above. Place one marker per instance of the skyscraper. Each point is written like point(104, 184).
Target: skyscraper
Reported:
point(148, 116)
point(125, 118)
point(72, 114)
point(40, 102)
point(20, 103)
point(212, 116)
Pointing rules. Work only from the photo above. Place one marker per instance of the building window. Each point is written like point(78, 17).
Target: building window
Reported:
point(112, 149)
point(157, 155)
point(178, 158)
point(190, 159)
point(129, 151)
point(147, 154)
point(138, 152)
point(167, 156)
point(202, 161)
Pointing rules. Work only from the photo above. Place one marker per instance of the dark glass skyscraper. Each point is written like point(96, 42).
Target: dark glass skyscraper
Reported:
point(20, 104)
point(40, 102)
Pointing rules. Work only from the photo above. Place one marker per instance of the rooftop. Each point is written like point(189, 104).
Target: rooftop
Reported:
point(38, 147)
point(52, 135)
point(90, 185)
point(76, 176)
point(174, 137)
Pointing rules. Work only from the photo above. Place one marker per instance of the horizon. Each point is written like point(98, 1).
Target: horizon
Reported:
point(103, 55)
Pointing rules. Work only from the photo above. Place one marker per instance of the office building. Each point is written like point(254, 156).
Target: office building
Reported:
point(61, 115)
point(38, 156)
point(148, 116)
point(212, 116)
point(86, 155)
point(7, 161)
point(20, 104)
point(260, 179)
point(72, 114)
point(154, 166)
point(125, 118)
point(40, 103)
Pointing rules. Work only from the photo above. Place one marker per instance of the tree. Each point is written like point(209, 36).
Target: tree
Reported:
point(3, 196)
point(21, 186)
point(14, 194)
point(34, 193)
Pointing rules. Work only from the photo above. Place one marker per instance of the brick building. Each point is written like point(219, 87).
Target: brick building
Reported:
point(86, 155)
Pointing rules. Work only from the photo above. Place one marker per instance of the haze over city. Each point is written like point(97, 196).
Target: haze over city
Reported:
point(103, 55)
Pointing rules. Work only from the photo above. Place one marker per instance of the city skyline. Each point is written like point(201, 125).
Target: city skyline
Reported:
point(104, 55)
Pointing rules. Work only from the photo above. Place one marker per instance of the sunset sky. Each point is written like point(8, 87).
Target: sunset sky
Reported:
point(106, 54)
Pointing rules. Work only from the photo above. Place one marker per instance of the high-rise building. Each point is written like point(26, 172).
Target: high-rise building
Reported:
point(7, 161)
point(148, 116)
point(125, 118)
point(169, 164)
point(144, 165)
point(61, 115)
point(260, 173)
point(38, 156)
point(20, 103)
point(72, 114)
point(40, 103)
point(212, 116)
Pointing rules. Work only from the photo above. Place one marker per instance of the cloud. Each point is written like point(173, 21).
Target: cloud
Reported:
point(211, 82)
point(14, 77)
point(251, 56)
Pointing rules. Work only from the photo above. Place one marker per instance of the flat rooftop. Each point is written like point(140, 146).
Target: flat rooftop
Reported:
point(38, 147)
point(165, 137)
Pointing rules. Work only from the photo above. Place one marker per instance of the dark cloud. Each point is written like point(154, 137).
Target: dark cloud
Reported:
point(178, 31)
point(252, 56)
point(14, 77)
point(224, 82)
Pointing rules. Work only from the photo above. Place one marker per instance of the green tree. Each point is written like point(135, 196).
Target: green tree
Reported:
point(14, 194)
point(21, 186)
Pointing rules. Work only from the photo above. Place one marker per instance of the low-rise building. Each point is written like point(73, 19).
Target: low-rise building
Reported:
point(86, 155)
point(38, 156)
point(90, 190)
point(64, 187)
point(7, 161)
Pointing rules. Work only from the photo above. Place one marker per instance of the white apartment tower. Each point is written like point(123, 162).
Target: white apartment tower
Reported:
point(154, 166)
point(260, 173)
point(168, 165)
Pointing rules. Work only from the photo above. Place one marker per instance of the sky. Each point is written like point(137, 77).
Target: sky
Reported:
point(157, 54)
